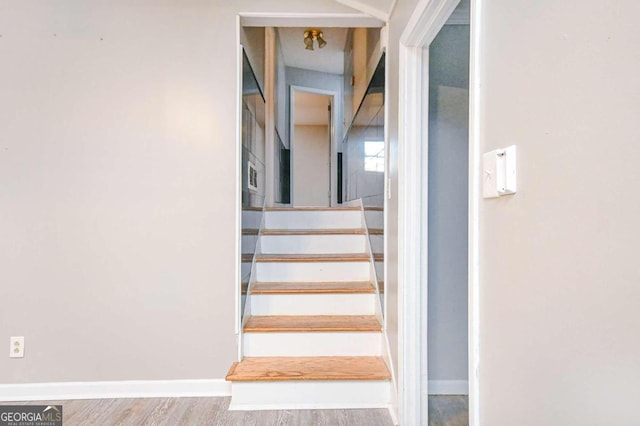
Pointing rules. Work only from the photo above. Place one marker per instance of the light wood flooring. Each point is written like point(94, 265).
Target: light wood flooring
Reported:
point(443, 411)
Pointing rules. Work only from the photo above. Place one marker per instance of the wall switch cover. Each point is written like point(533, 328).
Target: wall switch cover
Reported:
point(499, 172)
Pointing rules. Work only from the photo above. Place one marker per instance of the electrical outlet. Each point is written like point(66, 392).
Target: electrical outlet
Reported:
point(16, 347)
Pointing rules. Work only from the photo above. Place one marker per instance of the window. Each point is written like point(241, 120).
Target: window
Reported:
point(374, 156)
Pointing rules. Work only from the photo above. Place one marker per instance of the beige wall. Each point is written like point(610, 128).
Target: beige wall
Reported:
point(117, 186)
point(560, 282)
point(311, 154)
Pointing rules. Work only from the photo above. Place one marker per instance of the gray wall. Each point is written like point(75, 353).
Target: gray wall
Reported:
point(448, 207)
point(253, 41)
point(117, 186)
point(559, 274)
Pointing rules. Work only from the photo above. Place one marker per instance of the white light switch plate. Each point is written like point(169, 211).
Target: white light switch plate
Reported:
point(499, 172)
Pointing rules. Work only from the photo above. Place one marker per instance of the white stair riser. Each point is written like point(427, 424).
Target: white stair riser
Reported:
point(310, 395)
point(312, 271)
point(313, 219)
point(313, 304)
point(313, 343)
point(313, 244)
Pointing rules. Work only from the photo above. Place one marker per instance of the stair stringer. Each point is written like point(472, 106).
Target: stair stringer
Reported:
point(246, 312)
point(386, 347)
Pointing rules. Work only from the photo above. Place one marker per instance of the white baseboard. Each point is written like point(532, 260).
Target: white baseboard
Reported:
point(448, 387)
point(304, 406)
point(115, 389)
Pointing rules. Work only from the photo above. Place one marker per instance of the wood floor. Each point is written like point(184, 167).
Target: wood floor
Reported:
point(443, 411)
point(450, 410)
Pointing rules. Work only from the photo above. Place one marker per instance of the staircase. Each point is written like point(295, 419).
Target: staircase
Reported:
point(312, 328)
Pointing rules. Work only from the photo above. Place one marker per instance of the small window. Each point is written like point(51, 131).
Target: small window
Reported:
point(374, 156)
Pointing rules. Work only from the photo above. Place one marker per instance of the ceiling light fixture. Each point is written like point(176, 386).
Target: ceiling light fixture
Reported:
point(311, 35)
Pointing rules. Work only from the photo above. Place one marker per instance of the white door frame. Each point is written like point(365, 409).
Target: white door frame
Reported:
point(269, 19)
point(333, 160)
point(427, 20)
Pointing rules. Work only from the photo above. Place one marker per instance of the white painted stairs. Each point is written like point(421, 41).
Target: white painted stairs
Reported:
point(312, 332)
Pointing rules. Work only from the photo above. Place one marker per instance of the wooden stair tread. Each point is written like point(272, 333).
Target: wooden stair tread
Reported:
point(351, 231)
point(378, 257)
point(250, 231)
point(291, 323)
point(310, 209)
point(374, 209)
point(332, 257)
point(313, 287)
point(252, 209)
point(309, 368)
point(376, 231)
point(247, 257)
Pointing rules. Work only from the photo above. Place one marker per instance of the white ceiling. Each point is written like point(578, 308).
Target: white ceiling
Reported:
point(310, 109)
point(328, 59)
point(380, 9)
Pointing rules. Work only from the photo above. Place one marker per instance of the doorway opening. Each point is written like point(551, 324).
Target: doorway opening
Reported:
point(324, 142)
point(312, 147)
point(438, 236)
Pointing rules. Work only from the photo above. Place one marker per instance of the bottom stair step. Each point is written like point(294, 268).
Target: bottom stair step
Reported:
point(309, 368)
point(295, 383)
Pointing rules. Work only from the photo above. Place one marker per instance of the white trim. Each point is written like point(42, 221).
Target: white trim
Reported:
point(394, 404)
point(368, 9)
point(425, 23)
point(412, 275)
point(307, 406)
point(119, 389)
point(427, 19)
point(333, 170)
point(270, 113)
point(448, 387)
point(474, 212)
point(283, 19)
point(238, 188)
